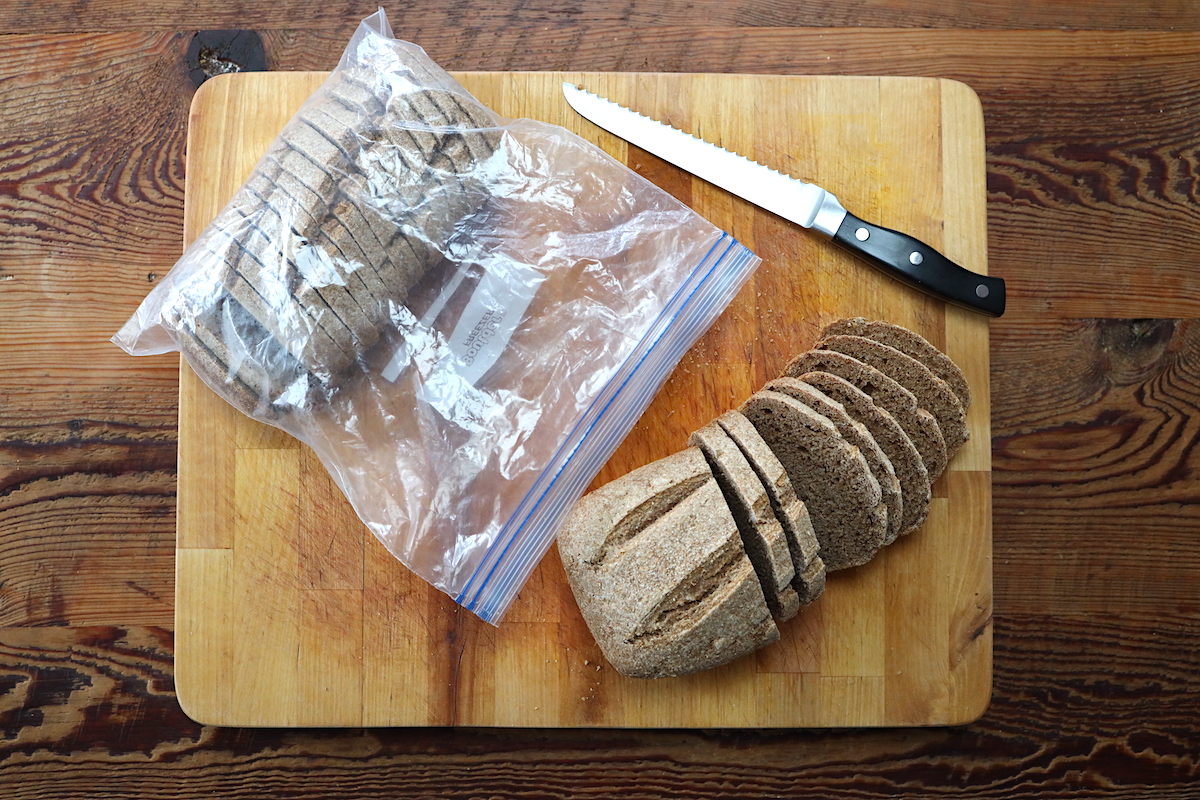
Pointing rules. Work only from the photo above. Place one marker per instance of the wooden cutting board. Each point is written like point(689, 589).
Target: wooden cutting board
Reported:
point(289, 613)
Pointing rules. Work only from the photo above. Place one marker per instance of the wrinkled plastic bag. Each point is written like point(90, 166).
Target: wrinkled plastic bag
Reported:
point(462, 315)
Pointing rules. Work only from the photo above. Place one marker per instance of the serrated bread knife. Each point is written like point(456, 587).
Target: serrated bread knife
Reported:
point(897, 254)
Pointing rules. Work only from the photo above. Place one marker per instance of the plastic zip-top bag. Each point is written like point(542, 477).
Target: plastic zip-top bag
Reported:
point(462, 315)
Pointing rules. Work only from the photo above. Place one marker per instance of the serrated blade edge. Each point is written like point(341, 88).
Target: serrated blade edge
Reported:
point(789, 197)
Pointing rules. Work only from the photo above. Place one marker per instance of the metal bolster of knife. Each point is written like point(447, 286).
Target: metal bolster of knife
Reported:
point(829, 216)
point(916, 263)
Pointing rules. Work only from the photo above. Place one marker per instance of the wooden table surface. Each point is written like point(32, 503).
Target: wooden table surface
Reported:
point(1092, 113)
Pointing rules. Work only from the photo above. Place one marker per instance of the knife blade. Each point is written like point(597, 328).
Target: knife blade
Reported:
point(897, 254)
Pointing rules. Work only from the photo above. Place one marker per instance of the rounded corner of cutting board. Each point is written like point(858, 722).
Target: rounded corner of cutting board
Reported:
point(961, 92)
point(204, 95)
point(196, 703)
point(972, 709)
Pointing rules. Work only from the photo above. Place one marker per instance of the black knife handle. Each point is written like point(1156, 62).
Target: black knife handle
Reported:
point(918, 264)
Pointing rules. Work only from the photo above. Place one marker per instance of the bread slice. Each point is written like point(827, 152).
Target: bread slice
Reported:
point(258, 386)
point(762, 534)
point(856, 434)
point(932, 393)
point(656, 563)
point(891, 438)
point(918, 423)
point(829, 474)
point(809, 580)
point(909, 343)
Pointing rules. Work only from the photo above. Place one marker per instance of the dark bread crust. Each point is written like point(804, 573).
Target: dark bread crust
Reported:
point(856, 434)
point(920, 426)
point(891, 438)
point(907, 342)
point(933, 394)
point(830, 475)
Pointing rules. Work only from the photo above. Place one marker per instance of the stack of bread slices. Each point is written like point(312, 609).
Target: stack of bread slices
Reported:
point(691, 561)
point(348, 209)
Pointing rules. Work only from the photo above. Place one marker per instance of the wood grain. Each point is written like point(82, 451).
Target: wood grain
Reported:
point(477, 19)
point(96, 703)
point(1096, 702)
point(286, 616)
point(1069, 196)
point(1105, 453)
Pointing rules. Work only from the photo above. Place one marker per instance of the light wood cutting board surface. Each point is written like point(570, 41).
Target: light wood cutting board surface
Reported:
point(290, 613)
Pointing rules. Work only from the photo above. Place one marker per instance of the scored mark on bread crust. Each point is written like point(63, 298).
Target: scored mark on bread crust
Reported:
point(710, 577)
point(645, 514)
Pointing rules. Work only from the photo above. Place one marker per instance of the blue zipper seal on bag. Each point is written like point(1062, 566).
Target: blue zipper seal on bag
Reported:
point(497, 579)
point(497, 591)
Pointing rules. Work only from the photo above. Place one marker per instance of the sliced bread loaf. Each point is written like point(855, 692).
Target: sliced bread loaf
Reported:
point(809, 581)
point(656, 563)
point(909, 343)
point(891, 438)
point(933, 394)
point(762, 534)
point(918, 423)
point(829, 474)
point(856, 434)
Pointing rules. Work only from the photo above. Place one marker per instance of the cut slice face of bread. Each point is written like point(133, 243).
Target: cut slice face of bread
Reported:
point(856, 434)
point(828, 473)
point(891, 438)
point(933, 394)
point(656, 563)
point(909, 343)
point(762, 534)
point(918, 423)
point(809, 581)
